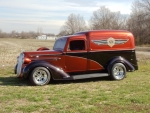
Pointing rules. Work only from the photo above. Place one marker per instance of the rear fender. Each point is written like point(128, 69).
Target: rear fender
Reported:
point(122, 60)
point(56, 72)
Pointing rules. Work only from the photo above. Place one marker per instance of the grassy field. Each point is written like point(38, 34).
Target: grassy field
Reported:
point(100, 95)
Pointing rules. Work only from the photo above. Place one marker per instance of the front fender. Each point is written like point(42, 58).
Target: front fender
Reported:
point(56, 72)
point(122, 60)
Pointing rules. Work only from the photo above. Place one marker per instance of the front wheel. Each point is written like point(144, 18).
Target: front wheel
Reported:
point(118, 71)
point(40, 76)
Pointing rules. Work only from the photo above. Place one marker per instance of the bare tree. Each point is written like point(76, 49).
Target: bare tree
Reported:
point(63, 32)
point(139, 21)
point(3, 34)
point(75, 23)
point(14, 34)
point(103, 18)
point(145, 4)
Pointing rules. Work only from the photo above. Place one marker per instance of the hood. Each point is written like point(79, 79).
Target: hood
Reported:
point(45, 53)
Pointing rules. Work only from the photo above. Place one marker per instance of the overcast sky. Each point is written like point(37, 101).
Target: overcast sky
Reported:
point(50, 15)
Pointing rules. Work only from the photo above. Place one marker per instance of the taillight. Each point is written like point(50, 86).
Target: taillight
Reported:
point(27, 60)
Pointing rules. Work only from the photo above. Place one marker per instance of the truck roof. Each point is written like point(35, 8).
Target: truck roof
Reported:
point(98, 32)
point(102, 31)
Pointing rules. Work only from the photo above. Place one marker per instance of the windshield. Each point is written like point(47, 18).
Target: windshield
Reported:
point(60, 44)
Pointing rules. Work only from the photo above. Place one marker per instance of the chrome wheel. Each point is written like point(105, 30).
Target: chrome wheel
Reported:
point(40, 76)
point(118, 71)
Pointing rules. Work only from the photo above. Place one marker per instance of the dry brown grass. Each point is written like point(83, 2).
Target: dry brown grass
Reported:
point(11, 48)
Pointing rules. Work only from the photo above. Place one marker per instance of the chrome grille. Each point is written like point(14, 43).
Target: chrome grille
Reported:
point(20, 62)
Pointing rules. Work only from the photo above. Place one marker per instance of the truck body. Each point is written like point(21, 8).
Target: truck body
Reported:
point(86, 54)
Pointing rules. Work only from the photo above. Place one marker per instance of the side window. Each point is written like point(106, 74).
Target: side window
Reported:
point(77, 45)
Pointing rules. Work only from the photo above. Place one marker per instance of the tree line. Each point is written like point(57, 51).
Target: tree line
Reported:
point(138, 22)
point(23, 34)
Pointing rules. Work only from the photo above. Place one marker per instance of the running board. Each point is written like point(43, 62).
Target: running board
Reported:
point(93, 75)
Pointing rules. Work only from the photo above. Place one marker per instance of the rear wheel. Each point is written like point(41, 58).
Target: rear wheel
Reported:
point(40, 76)
point(118, 71)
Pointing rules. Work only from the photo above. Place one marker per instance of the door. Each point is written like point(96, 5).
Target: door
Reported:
point(76, 56)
